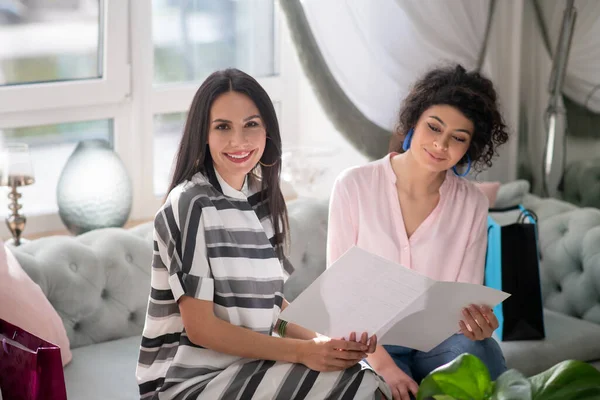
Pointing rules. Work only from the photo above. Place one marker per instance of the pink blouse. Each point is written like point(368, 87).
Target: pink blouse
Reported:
point(449, 245)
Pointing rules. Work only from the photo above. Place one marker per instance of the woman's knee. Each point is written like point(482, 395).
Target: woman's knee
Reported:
point(487, 350)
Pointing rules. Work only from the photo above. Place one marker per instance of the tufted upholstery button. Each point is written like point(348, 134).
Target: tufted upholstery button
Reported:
point(132, 316)
point(79, 267)
point(571, 255)
point(129, 258)
point(581, 183)
point(304, 258)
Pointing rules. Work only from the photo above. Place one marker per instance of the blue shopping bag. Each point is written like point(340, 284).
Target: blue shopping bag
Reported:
point(513, 266)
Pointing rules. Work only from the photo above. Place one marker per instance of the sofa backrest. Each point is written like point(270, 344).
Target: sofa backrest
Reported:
point(582, 183)
point(570, 246)
point(570, 265)
point(98, 282)
point(308, 243)
point(569, 242)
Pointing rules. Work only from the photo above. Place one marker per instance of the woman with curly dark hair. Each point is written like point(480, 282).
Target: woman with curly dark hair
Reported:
point(415, 208)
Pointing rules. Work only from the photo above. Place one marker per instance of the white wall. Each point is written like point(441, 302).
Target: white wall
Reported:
point(503, 66)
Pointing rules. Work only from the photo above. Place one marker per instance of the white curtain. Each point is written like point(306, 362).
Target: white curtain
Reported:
point(581, 78)
point(376, 49)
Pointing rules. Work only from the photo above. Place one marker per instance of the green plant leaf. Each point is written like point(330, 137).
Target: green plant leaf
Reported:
point(464, 378)
point(443, 397)
point(512, 385)
point(567, 380)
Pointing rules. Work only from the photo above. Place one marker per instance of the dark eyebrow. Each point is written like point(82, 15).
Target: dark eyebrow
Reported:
point(251, 117)
point(442, 122)
point(228, 122)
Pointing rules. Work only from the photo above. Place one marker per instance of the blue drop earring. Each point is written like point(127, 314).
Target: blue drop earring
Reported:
point(468, 168)
point(407, 139)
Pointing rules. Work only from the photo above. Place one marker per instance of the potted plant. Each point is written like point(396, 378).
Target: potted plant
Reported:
point(467, 378)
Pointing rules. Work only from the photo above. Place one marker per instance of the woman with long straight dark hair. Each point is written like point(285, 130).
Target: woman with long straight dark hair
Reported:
point(219, 267)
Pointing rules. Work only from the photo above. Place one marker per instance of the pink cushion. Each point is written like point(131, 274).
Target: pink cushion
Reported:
point(490, 189)
point(22, 303)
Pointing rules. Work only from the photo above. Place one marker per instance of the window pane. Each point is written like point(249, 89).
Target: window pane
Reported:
point(50, 147)
point(168, 129)
point(194, 38)
point(43, 41)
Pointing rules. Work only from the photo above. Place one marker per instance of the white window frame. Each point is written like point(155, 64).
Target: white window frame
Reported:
point(126, 95)
point(112, 87)
point(150, 100)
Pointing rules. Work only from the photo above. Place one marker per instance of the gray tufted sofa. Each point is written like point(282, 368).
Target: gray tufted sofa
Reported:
point(99, 284)
point(570, 277)
point(582, 183)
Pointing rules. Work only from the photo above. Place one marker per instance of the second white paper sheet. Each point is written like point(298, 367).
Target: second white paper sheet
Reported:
point(433, 317)
point(362, 292)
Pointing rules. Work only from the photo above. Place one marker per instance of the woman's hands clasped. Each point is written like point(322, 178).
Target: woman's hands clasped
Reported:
point(325, 354)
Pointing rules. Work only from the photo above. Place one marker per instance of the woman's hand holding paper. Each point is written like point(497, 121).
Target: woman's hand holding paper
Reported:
point(479, 322)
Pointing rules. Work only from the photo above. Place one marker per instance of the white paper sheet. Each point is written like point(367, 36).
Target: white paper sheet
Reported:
point(362, 292)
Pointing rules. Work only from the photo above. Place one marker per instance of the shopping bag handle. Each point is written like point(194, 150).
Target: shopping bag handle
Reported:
point(505, 209)
point(525, 213)
point(4, 346)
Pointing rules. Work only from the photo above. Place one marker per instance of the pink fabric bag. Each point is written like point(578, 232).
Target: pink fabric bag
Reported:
point(30, 368)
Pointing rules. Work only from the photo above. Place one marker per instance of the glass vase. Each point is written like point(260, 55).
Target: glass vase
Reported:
point(94, 190)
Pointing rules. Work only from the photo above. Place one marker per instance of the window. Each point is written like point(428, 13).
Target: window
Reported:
point(67, 53)
point(194, 38)
point(50, 147)
point(52, 42)
point(66, 69)
point(168, 129)
point(191, 40)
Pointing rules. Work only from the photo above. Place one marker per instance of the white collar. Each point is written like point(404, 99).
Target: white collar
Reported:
point(231, 192)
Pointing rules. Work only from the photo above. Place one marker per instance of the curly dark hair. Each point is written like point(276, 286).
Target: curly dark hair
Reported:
point(471, 93)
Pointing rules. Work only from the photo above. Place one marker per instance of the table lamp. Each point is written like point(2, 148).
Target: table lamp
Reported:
point(15, 171)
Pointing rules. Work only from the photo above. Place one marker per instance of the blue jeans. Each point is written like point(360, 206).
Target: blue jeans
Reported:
point(418, 364)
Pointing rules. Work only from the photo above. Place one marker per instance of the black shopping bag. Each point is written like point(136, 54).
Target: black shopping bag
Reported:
point(513, 266)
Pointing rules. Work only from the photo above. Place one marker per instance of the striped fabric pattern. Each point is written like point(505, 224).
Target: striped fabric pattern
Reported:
point(215, 243)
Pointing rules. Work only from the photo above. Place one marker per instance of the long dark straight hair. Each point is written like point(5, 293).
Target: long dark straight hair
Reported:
point(194, 156)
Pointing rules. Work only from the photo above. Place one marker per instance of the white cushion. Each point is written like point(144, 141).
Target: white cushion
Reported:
point(567, 338)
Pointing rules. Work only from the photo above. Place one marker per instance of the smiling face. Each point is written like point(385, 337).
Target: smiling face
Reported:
point(441, 138)
point(236, 137)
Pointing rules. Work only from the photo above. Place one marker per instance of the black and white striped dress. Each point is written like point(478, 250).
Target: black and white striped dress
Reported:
point(213, 243)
